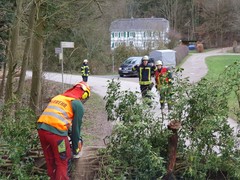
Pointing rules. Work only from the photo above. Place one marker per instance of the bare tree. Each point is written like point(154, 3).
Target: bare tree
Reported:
point(217, 17)
point(26, 52)
point(235, 21)
point(38, 41)
point(12, 54)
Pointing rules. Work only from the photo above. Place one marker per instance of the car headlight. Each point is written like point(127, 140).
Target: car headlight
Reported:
point(120, 68)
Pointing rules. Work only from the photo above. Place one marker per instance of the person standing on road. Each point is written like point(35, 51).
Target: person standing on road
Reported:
point(144, 73)
point(85, 70)
point(63, 114)
point(163, 79)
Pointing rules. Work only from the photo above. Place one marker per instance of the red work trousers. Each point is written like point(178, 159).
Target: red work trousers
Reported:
point(57, 162)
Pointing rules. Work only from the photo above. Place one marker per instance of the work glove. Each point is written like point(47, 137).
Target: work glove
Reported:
point(78, 152)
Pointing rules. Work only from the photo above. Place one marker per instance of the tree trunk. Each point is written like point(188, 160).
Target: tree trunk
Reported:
point(26, 53)
point(3, 80)
point(12, 54)
point(172, 148)
point(37, 61)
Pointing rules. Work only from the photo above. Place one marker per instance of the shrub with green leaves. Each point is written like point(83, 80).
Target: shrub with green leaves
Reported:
point(18, 138)
point(137, 148)
point(207, 146)
point(207, 142)
point(231, 79)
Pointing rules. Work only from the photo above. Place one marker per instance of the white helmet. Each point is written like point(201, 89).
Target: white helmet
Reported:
point(158, 62)
point(85, 60)
point(145, 58)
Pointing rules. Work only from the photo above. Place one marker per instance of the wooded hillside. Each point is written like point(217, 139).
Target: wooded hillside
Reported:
point(31, 30)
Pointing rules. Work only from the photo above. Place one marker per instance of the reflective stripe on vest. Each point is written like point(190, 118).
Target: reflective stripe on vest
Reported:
point(60, 110)
point(58, 113)
point(145, 80)
point(85, 70)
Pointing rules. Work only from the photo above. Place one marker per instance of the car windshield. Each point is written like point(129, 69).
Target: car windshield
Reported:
point(130, 61)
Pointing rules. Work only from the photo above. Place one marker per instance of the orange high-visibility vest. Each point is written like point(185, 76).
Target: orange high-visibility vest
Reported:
point(58, 113)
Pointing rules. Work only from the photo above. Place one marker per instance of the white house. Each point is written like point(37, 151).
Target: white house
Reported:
point(141, 33)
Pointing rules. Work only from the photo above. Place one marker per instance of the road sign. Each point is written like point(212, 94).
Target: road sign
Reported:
point(67, 44)
point(64, 45)
point(58, 50)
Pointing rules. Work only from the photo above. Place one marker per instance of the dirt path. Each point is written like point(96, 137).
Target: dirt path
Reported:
point(195, 67)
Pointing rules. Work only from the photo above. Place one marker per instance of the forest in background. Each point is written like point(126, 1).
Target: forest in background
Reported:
point(30, 30)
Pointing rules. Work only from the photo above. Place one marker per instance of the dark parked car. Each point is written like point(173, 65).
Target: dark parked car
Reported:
point(126, 68)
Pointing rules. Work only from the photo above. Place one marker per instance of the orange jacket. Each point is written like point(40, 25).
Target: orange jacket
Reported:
point(161, 75)
point(58, 113)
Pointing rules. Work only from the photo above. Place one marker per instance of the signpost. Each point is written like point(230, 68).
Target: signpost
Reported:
point(59, 51)
point(67, 44)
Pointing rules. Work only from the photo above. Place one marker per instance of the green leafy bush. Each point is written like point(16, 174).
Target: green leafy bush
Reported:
point(207, 147)
point(18, 138)
point(137, 148)
point(207, 144)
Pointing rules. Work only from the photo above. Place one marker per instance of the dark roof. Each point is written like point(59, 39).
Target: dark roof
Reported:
point(138, 24)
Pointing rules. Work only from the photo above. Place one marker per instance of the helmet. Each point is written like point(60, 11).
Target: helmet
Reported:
point(145, 58)
point(85, 60)
point(158, 62)
point(80, 91)
point(86, 88)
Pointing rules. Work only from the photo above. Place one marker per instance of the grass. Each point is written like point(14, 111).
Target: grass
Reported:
point(93, 119)
point(216, 66)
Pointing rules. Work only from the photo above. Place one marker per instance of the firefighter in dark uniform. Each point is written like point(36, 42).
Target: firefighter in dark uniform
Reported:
point(85, 70)
point(144, 73)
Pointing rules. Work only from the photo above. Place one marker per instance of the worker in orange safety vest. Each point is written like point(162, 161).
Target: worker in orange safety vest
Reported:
point(64, 113)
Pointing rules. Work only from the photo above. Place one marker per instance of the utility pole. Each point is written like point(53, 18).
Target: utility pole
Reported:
point(60, 52)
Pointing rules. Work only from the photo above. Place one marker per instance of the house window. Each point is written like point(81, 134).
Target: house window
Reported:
point(132, 34)
point(115, 34)
point(122, 34)
point(149, 34)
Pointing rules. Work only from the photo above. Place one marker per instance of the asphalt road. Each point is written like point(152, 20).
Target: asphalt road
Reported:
point(194, 67)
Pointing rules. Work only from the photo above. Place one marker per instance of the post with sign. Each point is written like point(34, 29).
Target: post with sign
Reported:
point(60, 50)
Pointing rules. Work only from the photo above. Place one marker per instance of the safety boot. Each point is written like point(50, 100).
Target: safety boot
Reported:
point(162, 105)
